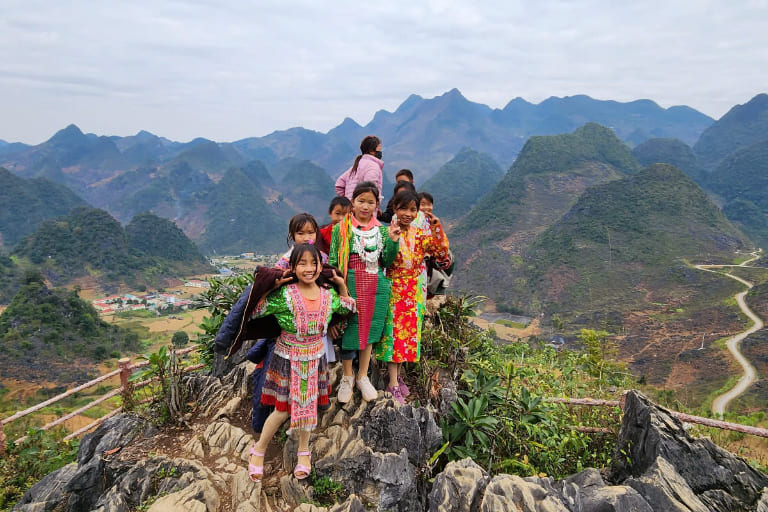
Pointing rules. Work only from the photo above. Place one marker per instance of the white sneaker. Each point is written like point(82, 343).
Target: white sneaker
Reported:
point(366, 388)
point(345, 389)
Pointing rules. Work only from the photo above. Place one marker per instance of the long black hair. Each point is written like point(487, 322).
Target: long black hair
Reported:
point(368, 145)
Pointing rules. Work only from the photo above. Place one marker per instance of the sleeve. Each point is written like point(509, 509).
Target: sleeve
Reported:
point(386, 216)
point(342, 305)
point(341, 184)
point(436, 244)
point(333, 254)
point(273, 304)
point(231, 323)
point(389, 253)
point(284, 263)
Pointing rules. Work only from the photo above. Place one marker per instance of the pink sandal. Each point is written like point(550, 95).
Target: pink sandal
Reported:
point(253, 470)
point(301, 471)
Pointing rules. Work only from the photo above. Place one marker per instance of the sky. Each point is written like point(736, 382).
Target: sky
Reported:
point(231, 69)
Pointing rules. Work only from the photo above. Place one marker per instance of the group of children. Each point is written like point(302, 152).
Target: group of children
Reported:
point(356, 281)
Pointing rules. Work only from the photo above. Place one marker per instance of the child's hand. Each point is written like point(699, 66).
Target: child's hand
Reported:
point(394, 230)
point(287, 277)
point(338, 281)
point(434, 221)
point(335, 331)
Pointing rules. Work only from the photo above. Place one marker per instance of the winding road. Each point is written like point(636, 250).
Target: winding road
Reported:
point(720, 403)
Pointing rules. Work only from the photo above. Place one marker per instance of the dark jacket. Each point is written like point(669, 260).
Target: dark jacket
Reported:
point(386, 215)
point(237, 327)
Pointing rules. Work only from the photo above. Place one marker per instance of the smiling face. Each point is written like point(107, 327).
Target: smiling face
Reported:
point(307, 268)
point(406, 213)
point(364, 206)
point(306, 234)
point(425, 206)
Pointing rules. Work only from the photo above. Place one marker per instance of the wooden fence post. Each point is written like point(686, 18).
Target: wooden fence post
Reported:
point(125, 373)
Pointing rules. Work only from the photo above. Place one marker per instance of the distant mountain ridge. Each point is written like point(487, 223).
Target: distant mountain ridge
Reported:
point(740, 127)
point(421, 133)
point(128, 175)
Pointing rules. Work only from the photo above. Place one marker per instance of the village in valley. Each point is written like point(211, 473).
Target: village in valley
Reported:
point(178, 300)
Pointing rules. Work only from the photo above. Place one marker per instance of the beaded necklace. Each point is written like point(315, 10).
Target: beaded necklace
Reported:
point(368, 245)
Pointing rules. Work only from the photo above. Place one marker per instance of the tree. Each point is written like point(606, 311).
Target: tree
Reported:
point(180, 338)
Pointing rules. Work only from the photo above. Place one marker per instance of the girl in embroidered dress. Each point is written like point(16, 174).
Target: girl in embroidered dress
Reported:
point(297, 380)
point(361, 248)
point(402, 334)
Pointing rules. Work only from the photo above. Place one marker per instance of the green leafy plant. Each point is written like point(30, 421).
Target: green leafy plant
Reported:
point(501, 417)
point(326, 491)
point(29, 461)
point(218, 299)
point(164, 369)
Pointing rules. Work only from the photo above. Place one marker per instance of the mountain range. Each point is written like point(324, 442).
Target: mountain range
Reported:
point(730, 161)
point(293, 170)
point(577, 224)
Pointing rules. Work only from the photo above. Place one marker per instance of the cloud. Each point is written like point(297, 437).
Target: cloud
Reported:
point(228, 70)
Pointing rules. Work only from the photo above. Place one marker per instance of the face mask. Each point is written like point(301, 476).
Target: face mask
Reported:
point(377, 155)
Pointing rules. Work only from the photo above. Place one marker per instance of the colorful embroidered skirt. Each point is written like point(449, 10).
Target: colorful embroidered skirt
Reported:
point(371, 293)
point(298, 385)
point(401, 341)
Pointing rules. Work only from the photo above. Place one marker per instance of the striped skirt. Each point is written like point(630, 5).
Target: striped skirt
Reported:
point(277, 389)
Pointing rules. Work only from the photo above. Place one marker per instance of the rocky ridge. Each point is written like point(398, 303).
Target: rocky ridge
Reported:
point(378, 452)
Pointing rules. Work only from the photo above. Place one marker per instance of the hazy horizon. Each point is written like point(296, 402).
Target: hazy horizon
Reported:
point(187, 69)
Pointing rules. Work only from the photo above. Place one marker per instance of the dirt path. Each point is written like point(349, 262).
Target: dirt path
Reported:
point(750, 374)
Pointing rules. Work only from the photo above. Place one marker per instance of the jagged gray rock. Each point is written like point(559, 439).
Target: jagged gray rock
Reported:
point(459, 488)
point(82, 485)
point(389, 429)
point(378, 452)
point(510, 492)
point(674, 471)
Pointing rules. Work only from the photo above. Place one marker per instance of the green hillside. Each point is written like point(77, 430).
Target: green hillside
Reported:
point(10, 276)
point(308, 187)
point(45, 332)
point(239, 219)
point(741, 127)
point(591, 142)
point(741, 179)
point(156, 237)
point(25, 204)
point(90, 242)
point(459, 183)
point(620, 234)
point(546, 179)
point(669, 151)
point(69, 246)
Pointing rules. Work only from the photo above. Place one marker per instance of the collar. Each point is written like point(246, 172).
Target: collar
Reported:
point(378, 162)
point(371, 224)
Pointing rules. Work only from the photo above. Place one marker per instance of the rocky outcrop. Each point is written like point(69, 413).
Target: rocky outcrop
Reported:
point(377, 451)
point(673, 471)
point(657, 467)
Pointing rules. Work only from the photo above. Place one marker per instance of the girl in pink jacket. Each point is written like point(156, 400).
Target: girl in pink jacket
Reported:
point(367, 167)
